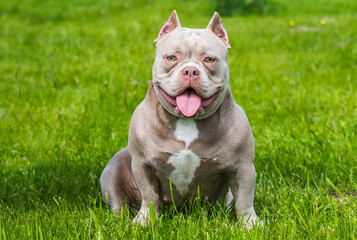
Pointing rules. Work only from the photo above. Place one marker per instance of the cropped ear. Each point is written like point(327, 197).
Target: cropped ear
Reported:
point(217, 28)
point(171, 24)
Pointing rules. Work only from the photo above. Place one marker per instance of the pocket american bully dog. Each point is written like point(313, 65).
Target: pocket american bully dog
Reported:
point(188, 133)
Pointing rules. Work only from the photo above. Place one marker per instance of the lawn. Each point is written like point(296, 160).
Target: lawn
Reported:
point(72, 73)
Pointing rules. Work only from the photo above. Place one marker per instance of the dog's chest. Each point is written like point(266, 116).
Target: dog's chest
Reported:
point(185, 162)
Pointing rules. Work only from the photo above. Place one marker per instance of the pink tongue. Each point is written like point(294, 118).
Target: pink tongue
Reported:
point(188, 103)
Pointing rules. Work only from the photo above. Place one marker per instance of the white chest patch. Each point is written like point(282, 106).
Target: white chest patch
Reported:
point(185, 162)
point(186, 130)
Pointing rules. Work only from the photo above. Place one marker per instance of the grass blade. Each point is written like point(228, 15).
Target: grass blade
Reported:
point(335, 188)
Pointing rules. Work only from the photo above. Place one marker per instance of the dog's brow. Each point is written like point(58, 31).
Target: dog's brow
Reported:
point(177, 50)
point(202, 50)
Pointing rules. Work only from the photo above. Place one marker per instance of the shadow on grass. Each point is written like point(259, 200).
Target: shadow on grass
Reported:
point(45, 181)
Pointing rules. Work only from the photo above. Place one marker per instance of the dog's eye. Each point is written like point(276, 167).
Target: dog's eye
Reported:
point(171, 58)
point(209, 60)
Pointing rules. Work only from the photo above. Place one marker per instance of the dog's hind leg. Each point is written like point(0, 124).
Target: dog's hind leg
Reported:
point(118, 184)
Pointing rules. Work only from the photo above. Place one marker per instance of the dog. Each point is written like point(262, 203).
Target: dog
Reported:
point(188, 133)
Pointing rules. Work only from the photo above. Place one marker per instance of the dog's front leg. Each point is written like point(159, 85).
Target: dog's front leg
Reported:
point(149, 187)
point(242, 184)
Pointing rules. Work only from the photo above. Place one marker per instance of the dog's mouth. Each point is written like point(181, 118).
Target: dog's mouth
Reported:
point(189, 102)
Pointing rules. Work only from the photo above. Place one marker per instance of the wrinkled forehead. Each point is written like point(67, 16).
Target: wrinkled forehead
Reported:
point(183, 40)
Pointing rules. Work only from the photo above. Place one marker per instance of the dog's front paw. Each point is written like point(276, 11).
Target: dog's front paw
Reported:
point(143, 217)
point(251, 220)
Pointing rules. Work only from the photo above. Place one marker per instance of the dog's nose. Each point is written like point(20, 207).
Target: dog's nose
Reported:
point(190, 73)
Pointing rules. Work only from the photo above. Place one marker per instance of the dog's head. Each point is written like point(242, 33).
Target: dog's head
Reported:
point(190, 73)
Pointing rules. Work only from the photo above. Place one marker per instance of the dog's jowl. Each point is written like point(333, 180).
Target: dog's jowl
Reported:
point(188, 133)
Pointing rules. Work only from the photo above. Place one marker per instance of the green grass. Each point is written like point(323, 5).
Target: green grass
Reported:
point(72, 73)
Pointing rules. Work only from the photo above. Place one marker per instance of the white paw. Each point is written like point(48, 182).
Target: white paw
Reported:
point(250, 221)
point(143, 217)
